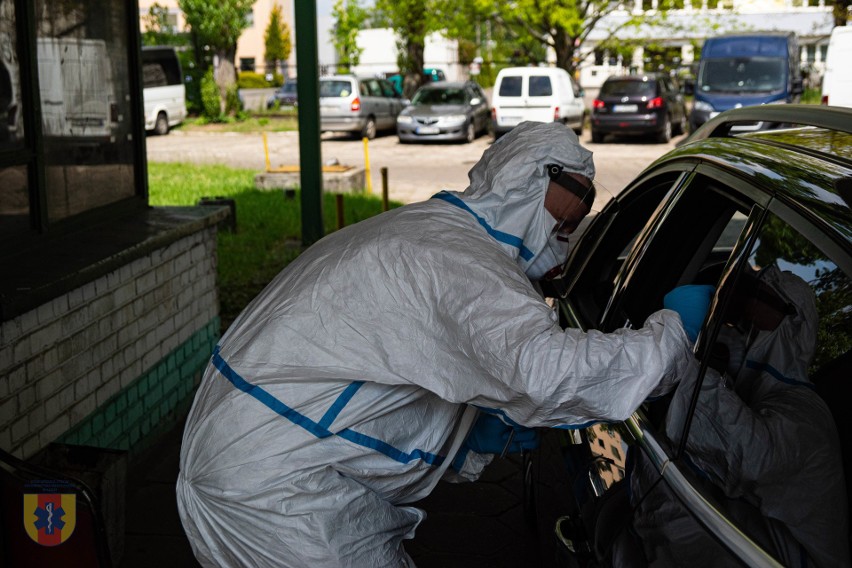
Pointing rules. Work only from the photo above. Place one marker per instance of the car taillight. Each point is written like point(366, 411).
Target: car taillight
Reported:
point(825, 99)
point(597, 103)
point(356, 104)
point(555, 114)
point(494, 113)
point(656, 103)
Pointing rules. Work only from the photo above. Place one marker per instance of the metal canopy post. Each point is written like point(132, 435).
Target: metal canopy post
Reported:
point(310, 157)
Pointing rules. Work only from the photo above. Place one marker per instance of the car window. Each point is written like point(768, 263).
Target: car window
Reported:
point(510, 86)
point(335, 88)
point(628, 88)
point(387, 89)
point(603, 252)
point(540, 86)
point(450, 96)
point(373, 88)
point(576, 88)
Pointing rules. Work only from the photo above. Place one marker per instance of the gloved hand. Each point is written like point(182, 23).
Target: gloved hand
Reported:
point(691, 302)
point(490, 435)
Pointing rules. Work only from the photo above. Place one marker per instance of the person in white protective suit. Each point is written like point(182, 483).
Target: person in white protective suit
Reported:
point(760, 436)
point(348, 387)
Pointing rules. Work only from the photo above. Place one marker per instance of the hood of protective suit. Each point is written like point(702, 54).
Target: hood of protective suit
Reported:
point(508, 184)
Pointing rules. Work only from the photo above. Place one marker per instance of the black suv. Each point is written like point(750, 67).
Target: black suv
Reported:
point(648, 104)
point(721, 208)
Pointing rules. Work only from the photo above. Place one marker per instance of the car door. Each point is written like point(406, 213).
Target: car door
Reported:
point(395, 103)
point(479, 111)
point(376, 104)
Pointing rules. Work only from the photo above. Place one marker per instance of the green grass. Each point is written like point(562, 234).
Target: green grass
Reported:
point(268, 235)
point(267, 121)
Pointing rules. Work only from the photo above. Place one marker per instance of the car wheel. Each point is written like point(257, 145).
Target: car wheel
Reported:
point(471, 133)
point(597, 137)
point(665, 135)
point(369, 130)
point(161, 126)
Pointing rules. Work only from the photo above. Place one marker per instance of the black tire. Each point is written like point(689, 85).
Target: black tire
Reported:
point(369, 130)
point(597, 137)
point(470, 132)
point(161, 125)
point(665, 135)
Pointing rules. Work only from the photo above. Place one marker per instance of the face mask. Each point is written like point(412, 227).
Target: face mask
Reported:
point(553, 255)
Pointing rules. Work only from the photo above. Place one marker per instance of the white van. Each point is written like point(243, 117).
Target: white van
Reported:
point(542, 94)
point(837, 81)
point(163, 88)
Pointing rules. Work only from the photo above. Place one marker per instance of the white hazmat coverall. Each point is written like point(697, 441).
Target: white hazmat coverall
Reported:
point(346, 388)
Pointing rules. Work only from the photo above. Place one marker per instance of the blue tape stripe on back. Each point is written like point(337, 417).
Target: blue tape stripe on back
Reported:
point(765, 367)
point(338, 405)
point(267, 399)
point(316, 429)
point(511, 240)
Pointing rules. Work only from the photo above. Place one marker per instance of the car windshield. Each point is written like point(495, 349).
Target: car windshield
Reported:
point(439, 97)
point(289, 89)
point(628, 88)
point(335, 88)
point(741, 75)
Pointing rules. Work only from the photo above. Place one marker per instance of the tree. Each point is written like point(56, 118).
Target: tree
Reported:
point(840, 12)
point(158, 30)
point(412, 20)
point(276, 39)
point(219, 25)
point(349, 17)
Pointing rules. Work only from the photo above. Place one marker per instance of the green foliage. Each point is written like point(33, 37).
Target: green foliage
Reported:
point(158, 30)
point(211, 102)
point(268, 232)
point(233, 105)
point(276, 39)
point(812, 96)
point(217, 24)
point(251, 80)
point(349, 18)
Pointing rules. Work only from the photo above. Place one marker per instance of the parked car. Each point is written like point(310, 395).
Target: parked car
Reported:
point(163, 90)
point(359, 105)
point(837, 82)
point(647, 104)
point(709, 212)
point(444, 111)
point(286, 96)
point(543, 94)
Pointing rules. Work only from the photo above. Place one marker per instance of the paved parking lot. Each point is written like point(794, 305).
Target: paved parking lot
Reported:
point(415, 171)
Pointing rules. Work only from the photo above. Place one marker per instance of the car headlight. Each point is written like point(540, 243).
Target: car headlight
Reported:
point(454, 118)
point(702, 106)
point(404, 119)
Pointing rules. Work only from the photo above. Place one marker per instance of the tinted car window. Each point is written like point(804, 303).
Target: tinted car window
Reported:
point(540, 86)
point(628, 88)
point(439, 97)
point(510, 86)
point(387, 89)
point(335, 88)
point(372, 88)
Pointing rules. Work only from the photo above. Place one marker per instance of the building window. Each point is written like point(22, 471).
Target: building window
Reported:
point(250, 20)
point(247, 64)
point(79, 82)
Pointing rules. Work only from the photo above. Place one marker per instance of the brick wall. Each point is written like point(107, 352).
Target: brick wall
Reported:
point(69, 364)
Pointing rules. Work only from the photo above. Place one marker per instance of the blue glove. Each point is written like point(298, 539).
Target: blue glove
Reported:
point(490, 435)
point(691, 302)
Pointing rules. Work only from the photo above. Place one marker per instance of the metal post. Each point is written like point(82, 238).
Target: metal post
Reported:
point(384, 189)
point(310, 156)
point(338, 200)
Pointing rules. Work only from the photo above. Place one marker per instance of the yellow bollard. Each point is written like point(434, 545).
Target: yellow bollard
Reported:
point(367, 167)
point(266, 152)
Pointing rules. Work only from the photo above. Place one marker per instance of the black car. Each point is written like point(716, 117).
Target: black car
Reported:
point(444, 111)
point(651, 104)
point(713, 211)
point(286, 96)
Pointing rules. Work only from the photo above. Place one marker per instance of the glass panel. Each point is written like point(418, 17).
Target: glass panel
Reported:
point(85, 96)
point(14, 201)
point(540, 86)
point(786, 319)
point(510, 86)
point(11, 102)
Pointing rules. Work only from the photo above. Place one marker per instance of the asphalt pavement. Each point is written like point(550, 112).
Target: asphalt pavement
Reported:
point(415, 171)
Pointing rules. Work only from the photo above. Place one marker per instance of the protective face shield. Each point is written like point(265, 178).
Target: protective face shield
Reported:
point(569, 199)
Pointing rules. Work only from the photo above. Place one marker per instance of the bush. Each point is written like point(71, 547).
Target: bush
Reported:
point(233, 105)
point(211, 102)
point(251, 80)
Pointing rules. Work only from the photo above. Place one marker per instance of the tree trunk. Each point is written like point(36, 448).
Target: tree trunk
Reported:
point(564, 48)
point(841, 9)
point(225, 73)
point(414, 75)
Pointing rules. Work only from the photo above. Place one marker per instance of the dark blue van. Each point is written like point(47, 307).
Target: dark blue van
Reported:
point(744, 70)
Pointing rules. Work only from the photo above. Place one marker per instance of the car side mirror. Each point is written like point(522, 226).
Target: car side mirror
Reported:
point(475, 101)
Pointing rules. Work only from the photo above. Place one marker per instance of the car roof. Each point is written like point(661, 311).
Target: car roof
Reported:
point(807, 165)
point(642, 77)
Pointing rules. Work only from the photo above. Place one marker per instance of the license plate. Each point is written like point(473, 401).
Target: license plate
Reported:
point(511, 120)
point(625, 108)
point(428, 130)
